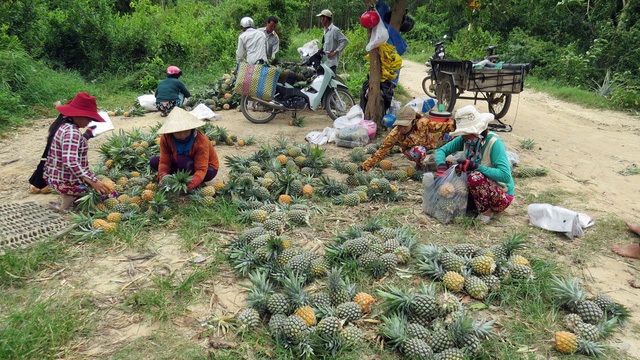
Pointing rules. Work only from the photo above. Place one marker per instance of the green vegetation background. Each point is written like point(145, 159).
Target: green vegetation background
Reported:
point(118, 49)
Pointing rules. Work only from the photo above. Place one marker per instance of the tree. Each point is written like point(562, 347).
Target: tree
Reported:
point(375, 108)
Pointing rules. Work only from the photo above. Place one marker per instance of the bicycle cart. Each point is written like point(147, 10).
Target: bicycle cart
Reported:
point(495, 86)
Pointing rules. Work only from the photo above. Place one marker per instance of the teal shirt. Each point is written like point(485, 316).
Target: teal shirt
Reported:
point(169, 89)
point(495, 165)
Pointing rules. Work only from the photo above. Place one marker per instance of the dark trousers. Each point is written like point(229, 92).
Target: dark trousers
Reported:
point(184, 163)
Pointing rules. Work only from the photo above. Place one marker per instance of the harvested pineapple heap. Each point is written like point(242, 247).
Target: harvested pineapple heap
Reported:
point(588, 321)
point(219, 95)
point(476, 271)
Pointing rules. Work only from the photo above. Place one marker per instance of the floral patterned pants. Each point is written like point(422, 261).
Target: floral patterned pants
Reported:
point(487, 194)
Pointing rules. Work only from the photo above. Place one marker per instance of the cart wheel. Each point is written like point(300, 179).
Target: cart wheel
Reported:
point(446, 91)
point(429, 86)
point(499, 104)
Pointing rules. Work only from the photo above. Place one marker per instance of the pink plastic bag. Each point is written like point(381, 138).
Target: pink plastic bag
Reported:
point(370, 126)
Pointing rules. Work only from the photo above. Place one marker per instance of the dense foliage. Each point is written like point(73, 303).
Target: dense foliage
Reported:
point(587, 44)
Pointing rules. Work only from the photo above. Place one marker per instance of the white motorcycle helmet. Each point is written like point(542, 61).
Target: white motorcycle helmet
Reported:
point(246, 22)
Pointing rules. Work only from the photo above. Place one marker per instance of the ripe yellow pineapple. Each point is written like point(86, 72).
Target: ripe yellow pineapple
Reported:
point(99, 223)
point(114, 217)
point(365, 301)
point(122, 181)
point(453, 281)
point(520, 260)
point(284, 198)
point(307, 190)
point(218, 186)
point(157, 141)
point(147, 195)
point(110, 184)
point(110, 203)
point(241, 142)
point(101, 207)
point(135, 174)
point(124, 198)
point(410, 171)
point(151, 186)
point(307, 314)
point(566, 342)
point(386, 164)
point(447, 190)
point(282, 159)
point(208, 191)
point(110, 227)
point(135, 200)
point(108, 163)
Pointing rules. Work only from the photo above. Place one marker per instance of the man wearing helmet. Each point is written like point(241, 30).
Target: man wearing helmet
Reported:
point(333, 41)
point(171, 91)
point(252, 43)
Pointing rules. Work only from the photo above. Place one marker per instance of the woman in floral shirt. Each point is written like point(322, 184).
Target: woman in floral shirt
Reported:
point(411, 130)
point(67, 168)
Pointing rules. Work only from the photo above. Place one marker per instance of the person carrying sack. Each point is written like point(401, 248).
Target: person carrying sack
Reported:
point(66, 169)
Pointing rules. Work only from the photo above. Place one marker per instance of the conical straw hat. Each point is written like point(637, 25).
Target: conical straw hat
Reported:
point(179, 120)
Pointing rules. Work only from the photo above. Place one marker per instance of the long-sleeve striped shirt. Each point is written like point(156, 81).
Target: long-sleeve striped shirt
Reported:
point(67, 162)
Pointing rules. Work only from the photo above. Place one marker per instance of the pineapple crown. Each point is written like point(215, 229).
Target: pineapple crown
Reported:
point(567, 292)
point(394, 329)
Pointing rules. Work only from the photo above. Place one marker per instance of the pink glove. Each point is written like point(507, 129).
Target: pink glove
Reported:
point(195, 182)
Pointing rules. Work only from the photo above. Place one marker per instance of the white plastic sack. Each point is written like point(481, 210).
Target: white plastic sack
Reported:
point(379, 36)
point(309, 49)
point(203, 112)
point(514, 158)
point(330, 133)
point(353, 117)
point(422, 104)
point(148, 102)
point(559, 219)
point(317, 137)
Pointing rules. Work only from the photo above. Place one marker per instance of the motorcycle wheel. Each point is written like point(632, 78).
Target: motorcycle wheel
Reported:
point(429, 86)
point(446, 92)
point(256, 112)
point(338, 102)
point(499, 104)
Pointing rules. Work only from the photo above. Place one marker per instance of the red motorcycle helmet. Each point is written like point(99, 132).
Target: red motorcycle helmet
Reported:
point(369, 19)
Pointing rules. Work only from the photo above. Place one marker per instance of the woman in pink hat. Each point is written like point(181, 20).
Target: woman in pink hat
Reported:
point(171, 91)
point(67, 168)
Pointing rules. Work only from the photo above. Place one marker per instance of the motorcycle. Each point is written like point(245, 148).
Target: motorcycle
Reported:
point(322, 90)
point(429, 82)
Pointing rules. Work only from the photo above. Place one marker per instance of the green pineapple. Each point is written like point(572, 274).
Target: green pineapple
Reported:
point(367, 258)
point(319, 267)
point(417, 331)
point(278, 303)
point(249, 318)
point(408, 303)
point(527, 172)
point(505, 250)
point(258, 292)
point(356, 247)
point(387, 233)
point(349, 311)
point(483, 265)
point(390, 261)
point(441, 340)
point(492, 281)
point(402, 254)
point(450, 354)
point(475, 287)
point(338, 291)
point(298, 217)
point(329, 187)
point(276, 323)
point(351, 199)
point(299, 264)
point(294, 328)
point(569, 294)
point(465, 249)
point(258, 216)
point(390, 245)
point(415, 348)
point(521, 272)
point(288, 254)
point(351, 334)
point(603, 301)
point(451, 262)
point(329, 325)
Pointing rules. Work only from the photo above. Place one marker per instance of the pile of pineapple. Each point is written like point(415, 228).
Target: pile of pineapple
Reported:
point(372, 248)
point(220, 95)
point(423, 325)
point(470, 269)
point(588, 321)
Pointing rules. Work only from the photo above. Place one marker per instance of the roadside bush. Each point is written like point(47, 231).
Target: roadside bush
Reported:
point(470, 45)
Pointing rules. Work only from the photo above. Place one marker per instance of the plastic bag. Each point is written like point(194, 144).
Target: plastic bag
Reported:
point(317, 137)
point(422, 104)
point(309, 49)
point(353, 117)
point(203, 112)
point(370, 126)
point(445, 197)
point(148, 102)
point(379, 36)
point(559, 219)
point(352, 136)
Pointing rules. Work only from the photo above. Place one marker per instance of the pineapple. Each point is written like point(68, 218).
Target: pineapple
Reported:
point(450, 354)
point(258, 216)
point(504, 251)
point(603, 301)
point(415, 348)
point(249, 318)
point(475, 287)
point(306, 313)
point(349, 311)
point(453, 281)
point(527, 172)
point(365, 301)
point(441, 340)
point(447, 190)
point(451, 262)
point(147, 195)
point(351, 334)
point(483, 265)
point(110, 203)
point(278, 303)
point(114, 217)
point(518, 271)
point(465, 249)
point(298, 217)
point(294, 327)
point(351, 199)
point(568, 343)
point(329, 325)
point(386, 165)
point(390, 261)
point(520, 260)
point(408, 303)
point(258, 292)
point(338, 291)
point(569, 294)
point(275, 323)
point(284, 199)
point(177, 182)
point(417, 331)
point(208, 191)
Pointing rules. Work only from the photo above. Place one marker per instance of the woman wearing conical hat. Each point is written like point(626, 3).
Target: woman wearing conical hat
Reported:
point(183, 147)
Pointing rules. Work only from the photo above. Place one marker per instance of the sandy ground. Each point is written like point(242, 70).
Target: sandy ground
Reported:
point(584, 150)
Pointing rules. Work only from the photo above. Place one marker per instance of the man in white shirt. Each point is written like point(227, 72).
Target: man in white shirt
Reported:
point(252, 43)
point(333, 41)
point(273, 41)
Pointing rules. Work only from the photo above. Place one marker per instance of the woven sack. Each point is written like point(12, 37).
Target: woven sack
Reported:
point(257, 80)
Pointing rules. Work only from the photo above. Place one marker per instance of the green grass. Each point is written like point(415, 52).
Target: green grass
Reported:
point(19, 265)
point(37, 327)
point(574, 95)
